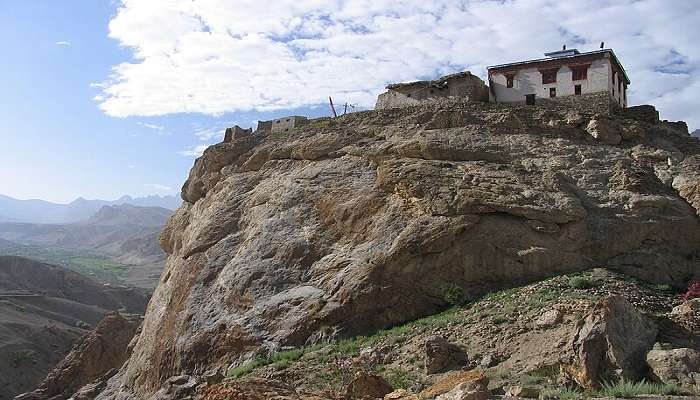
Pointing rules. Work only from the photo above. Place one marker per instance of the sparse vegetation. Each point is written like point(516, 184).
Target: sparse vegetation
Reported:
point(453, 294)
point(19, 357)
point(562, 393)
point(400, 378)
point(582, 282)
point(83, 325)
point(626, 389)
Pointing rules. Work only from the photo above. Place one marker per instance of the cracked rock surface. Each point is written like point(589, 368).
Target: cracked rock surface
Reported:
point(350, 225)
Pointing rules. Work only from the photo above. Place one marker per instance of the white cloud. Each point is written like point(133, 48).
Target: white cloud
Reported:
point(151, 126)
point(158, 187)
point(236, 55)
point(131, 166)
point(63, 43)
point(194, 151)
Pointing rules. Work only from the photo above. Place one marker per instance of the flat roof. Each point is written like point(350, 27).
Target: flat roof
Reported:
point(564, 57)
point(429, 82)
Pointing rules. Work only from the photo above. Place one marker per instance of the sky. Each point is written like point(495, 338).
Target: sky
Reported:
point(101, 98)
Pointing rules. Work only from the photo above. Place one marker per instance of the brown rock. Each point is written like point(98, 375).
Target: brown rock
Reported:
point(473, 378)
point(441, 355)
point(368, 386)
point(675, 366)
point(525, 392)
point(549, 318)
point(604, 130)
point(610, 343)
point(400, 394)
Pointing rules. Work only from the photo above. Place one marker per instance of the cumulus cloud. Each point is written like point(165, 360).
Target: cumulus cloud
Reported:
point(194, 151)
point(236, 55)
point(63, 43)
point(158, 187)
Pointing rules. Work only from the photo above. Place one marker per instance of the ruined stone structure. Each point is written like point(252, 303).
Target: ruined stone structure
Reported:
point(283, 124)
point(462, 84)
point(560, 74)
point(236, 133)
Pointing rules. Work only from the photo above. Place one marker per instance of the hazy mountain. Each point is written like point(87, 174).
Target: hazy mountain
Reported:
point(125, 234)
point(127, 214)
point(43, 309)
point(44, 212)
point(695, 133)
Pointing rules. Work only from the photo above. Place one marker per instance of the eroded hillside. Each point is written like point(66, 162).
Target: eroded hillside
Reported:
point(351, 225)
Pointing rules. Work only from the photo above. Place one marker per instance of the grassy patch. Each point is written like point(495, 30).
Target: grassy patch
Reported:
point(627, 389)
point(400, 378)
point(246, 368)
point(583, 282)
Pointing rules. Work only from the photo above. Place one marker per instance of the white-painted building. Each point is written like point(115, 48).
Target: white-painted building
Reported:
point(561, 73)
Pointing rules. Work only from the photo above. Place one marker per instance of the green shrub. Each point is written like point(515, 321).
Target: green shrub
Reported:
point(246, 368)
point(20, 356)
point(83, 325)
point(626, 389)
point(582, 282)
point(453, 294)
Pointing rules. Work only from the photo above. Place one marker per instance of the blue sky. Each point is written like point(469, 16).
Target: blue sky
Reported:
point(104, 98)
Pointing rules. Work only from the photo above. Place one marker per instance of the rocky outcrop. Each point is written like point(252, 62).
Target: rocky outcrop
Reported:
point(610, 344)
point(101, 351)
point(366, 386)
point(349, 225)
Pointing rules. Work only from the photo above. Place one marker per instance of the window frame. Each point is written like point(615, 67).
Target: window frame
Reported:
point(549, 75)
point(552, 92)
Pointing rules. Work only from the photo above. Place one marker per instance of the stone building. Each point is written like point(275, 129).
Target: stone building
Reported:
point(560, 74)
point(462, 84)
point(283, 124)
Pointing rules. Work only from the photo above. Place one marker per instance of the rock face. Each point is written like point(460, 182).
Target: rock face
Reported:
point(349, 225)
point(98, 352)
point(611, 343)
point(675, 366)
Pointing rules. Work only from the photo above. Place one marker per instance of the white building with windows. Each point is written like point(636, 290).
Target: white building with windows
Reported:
point(560, 73)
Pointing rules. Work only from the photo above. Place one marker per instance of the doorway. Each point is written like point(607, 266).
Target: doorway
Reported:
point(530, 99)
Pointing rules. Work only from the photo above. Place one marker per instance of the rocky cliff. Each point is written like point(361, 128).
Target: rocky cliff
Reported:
point(349, 225)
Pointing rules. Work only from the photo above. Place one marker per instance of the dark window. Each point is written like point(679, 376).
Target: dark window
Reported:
point(408, 95)
point(530, 99)
point(577, 89)
point(509, 80)
point(579, 73)
point(287, 119)
point(549, 75)
point(552, 92)
point(431, 91)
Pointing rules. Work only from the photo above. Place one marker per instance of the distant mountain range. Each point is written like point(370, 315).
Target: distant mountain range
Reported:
point(125, 234)
point(695, 133)
point(44, 212)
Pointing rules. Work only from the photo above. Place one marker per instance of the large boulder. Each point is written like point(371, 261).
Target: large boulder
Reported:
point(458, 383)
point(441, 355)
point(610, 343)
point(366, 386)
point(675, 366)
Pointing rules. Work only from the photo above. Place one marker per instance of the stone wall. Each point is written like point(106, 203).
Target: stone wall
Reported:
point(264, 126)
point(593, 103)
point(462, 85)
point(236, 133)
point(645, 113)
